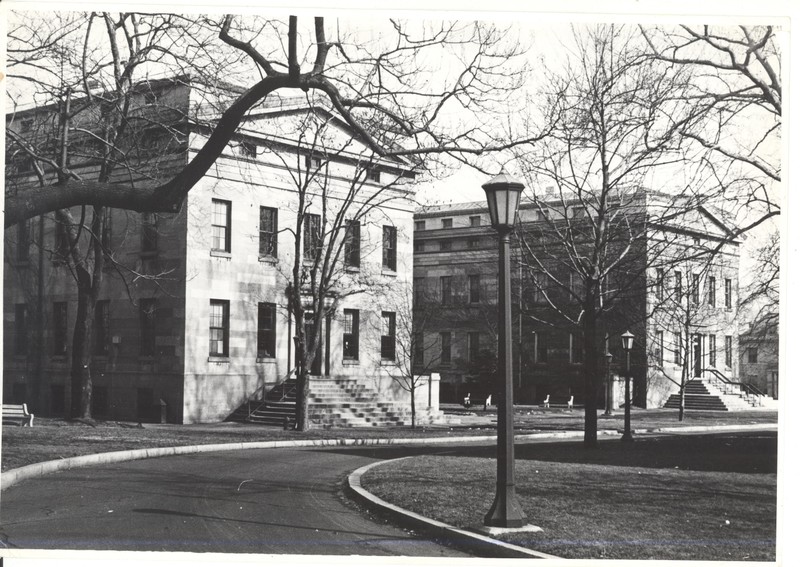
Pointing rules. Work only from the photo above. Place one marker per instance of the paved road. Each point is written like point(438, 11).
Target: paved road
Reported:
point(255, 501)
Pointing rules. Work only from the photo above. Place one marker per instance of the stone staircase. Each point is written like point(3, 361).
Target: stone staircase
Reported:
point(716, 395)
point(333, 402)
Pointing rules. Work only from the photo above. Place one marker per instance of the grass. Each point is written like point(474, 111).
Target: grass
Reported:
point(687, 497)
point(52, 439)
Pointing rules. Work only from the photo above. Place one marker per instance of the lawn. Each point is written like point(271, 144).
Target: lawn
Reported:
point(687, 497)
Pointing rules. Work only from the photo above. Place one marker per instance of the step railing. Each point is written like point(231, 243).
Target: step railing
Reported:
point(259, 398)
point(743, 388)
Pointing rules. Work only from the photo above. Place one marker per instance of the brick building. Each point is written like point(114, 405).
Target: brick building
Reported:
point(192, 309)
point(678, 326)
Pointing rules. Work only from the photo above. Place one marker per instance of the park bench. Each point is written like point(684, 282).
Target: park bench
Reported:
point(568, 405)
point(17, 414)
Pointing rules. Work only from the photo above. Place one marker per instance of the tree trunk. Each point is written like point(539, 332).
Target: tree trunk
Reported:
point(80, 372)
point(301, 407)
point(590, 373)
point(413, 404)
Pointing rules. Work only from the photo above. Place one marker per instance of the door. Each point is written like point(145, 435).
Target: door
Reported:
point(698, 355)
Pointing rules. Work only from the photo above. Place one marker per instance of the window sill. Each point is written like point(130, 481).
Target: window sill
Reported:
point(266, 259)
point(352, 269)
point(220, 254)
point(388, 362)
point(219, 359)
point(350, 362)
point(388, 272)
point(266, 360)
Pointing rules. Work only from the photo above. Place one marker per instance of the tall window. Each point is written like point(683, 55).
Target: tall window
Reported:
point(100, 330)
point(678, 286)
point(695, 289)
point(474, 288)
point(266, 330)
point(220, 225)
point(218, 327)
point(60, 328)
point(659, 284)
point(539, 284)
point(61, 244)
point(712, 291)
point(575, 348)
point(390, 248)
point(312, 236)
point(676, 354)
point(660, 348)
point(728, 294)
point(446, 353)
point(350, 336)
point(728, 351)
point(752, 355)
point(540, 347)
point(268, 233)
point(474, 346)
point(149, 232)
point(147, 327)
point(20, 329)
point(712, 350)
point(352, 244)
point(23, 241)
point(387, 335)
point(446, 285)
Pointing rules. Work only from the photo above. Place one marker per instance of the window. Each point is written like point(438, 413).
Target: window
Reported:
point(419, 225)
point(542, 214)
point(248, 149)
point(105, 229)
point(445, 245)
point(149, 232)
point(313, 162)
point(352, 244)
point(373, 175)
point(419, 291)
point(659, 348)
point(446, 286)
point(712, 291)
point(472, 242)
point(712, 350)
point(100, 330)
point(678, 286)
point(390, 248)
point(419, 246)
point(218, 327)
point(728, 351)
point(728, 294)
point(350, 337)
point(147, 327)
point(268, 233)
point(60, 328)
point(539, 286)
point(387, 335)
point(23, 241)
point(576, 286)
point(20, 329)
point(752, 355)
point(578, 212)
point(475, 221)
point(676, 354)
point(61, 244)
point(695, 289)
point(445, 357)
point(474, 345)
point(265, 339)
point(575, 348)
point(659, 284)
point(447, 223)
point(474, 288)
point(312, 236)
point(221, 225)
point(539, 347)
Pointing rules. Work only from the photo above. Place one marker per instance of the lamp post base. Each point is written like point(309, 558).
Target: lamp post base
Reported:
point(506, 511)
point(627, 438)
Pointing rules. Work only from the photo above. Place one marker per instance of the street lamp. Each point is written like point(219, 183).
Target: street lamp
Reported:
point(609, 386)
point(502, 194)
point(627, 345)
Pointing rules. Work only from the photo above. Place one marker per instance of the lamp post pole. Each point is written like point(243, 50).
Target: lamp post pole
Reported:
point(627, 344)
point(503, 196)
point(609, 386)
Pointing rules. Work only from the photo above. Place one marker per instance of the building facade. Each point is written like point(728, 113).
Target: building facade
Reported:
point(192, 306)
point(671, 279)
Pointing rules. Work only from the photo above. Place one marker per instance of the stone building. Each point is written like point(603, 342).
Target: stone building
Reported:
point(192, 308)
point(674, 285)
point(759, 348)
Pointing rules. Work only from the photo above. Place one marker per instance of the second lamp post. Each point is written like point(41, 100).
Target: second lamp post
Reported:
point(502, 194)
point(627, 345)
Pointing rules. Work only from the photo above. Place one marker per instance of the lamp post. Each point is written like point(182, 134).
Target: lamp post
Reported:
point(627, 345)
point(502, 195)
point(609, 386)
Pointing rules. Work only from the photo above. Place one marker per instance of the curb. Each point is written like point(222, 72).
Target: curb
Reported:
point(14, 476)
point(463, 539)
